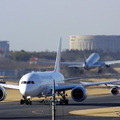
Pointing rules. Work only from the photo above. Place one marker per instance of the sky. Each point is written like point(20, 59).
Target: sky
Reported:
point(37, 25)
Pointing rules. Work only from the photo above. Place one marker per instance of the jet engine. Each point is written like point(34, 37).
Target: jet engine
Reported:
point(3, 93)
point(115, 90)
point(79, 94)
point(108, 66)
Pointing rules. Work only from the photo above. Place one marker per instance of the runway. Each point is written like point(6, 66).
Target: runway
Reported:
point(38, 111)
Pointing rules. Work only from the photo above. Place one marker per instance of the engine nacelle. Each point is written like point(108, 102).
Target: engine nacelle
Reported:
point(108, 66)
point(3, 93)
point(115, 90)
point(79, 94)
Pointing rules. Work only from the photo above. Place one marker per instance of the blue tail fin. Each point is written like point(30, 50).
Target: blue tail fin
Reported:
point(58, 57)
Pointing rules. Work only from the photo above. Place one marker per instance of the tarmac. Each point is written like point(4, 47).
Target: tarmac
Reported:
point(42, 111)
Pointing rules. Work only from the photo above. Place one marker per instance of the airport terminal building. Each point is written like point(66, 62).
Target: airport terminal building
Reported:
point(95, 42)
point(4, 47)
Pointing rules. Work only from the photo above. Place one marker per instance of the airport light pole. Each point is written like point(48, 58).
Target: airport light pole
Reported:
point(53, 101)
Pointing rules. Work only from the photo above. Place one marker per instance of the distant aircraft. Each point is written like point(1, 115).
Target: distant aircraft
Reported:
point(91, 62)
point(40, 84)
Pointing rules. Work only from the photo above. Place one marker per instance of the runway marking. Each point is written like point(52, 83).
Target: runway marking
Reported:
point(99, 112)
point(36, 112)
point(40, 111)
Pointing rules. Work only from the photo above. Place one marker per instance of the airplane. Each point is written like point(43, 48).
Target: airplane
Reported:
point(91, 62)
point(40, 84)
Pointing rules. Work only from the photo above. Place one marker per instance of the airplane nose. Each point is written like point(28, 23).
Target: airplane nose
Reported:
point(25, 90)
point(27, 84)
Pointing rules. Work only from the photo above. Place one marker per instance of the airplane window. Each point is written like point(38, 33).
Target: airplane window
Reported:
point(25, 82)
point(32, 82)
point(29, 82)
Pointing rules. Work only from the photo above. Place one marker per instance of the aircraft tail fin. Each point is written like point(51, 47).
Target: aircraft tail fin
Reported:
point(58, 57)
point(84, 57)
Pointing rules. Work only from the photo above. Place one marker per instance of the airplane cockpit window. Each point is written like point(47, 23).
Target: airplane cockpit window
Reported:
point(27, 82)
point(32, 82)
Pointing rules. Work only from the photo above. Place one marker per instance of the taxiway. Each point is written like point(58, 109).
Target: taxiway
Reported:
point(38, 111)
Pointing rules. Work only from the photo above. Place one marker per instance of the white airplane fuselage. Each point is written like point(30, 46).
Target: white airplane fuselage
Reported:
point(92, 59)
point(38, 84)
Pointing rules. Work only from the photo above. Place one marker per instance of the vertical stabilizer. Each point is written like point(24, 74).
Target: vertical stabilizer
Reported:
point(58, 57)
point(84, 57)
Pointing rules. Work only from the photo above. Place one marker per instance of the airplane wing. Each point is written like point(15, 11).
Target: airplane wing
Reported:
point(112, 85)
point(103, 63)
point(69, 64)
point(10, 86)
point(92, 76)
point(97, 64)
point(73, 64)
point(112, 62)
point(84, 84)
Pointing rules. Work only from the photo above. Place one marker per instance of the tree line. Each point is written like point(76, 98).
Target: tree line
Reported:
point(67, 55)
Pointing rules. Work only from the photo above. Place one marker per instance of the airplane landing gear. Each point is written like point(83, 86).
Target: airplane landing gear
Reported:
point(26, 101)
point(63, 100)
point(45, 101)
point(100, 70)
